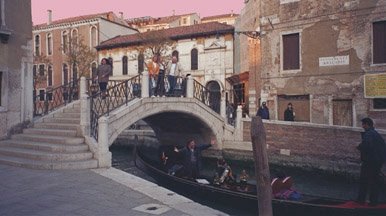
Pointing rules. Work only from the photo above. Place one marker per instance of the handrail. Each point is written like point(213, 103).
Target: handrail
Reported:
point(209, 97)
point(56, 97)
point(117, 95)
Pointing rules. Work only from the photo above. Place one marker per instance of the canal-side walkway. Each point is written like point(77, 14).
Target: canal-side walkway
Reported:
point(88, 192)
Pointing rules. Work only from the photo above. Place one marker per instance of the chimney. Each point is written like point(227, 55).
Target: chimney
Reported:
point(121, 15)
point(49, 17)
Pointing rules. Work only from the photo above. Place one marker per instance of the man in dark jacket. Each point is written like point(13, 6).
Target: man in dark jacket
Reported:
point(263, 111)
point(191, 157)
point(373, 155)
point(289, 114)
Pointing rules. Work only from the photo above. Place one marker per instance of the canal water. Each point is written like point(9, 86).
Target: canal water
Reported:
point(306, 182)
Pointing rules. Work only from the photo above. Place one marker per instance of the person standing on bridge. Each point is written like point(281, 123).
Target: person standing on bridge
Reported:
point(173, 71)
point(373, 155)
point(103, 72)
point(153, 68)
point(191, 157)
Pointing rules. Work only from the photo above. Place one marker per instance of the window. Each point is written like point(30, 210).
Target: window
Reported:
point(49, 75)
point(74, 35)
point(379, 42)
point(379, 103)
point(41, 70)
point(111, 61)
point(41, 95)
point(93, 69)
point(34, 71)
point(65, 74)
point(2, 20)
point(64, 41)
point(124, 65)
point(184, 21)
point(141, 62)
point(94, 38)
point(49, 44)
point(37, 45)
point(291, 52)
point(194, 59)
point(74, 73)
point(175, 53)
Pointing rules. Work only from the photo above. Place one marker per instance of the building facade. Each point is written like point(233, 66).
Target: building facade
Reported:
point(15, 65)
point(228, 19)
point(326, 58)
point(53, 40)
point(204, 51)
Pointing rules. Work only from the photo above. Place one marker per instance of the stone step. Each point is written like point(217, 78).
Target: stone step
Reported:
point(71, 110)
point(49, 139)
point(44, 156)
point(51, 132)
point(62, 126)
point(33, 164)
point(67, 115)
point(62, 120)
point(46, 147)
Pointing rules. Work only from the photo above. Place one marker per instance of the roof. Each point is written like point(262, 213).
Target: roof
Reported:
point(222, 16)
point(110, 16)
point(182, 32)
point(156, 21)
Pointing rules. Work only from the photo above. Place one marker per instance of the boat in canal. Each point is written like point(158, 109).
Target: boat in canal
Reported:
point(240, 197)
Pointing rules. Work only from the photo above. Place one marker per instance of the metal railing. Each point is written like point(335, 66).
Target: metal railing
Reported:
point(117, 95)
point(54, 98)
point(166, 88)
point(210, 98)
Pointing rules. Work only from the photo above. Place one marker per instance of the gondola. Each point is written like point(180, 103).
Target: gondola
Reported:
point(307, 206)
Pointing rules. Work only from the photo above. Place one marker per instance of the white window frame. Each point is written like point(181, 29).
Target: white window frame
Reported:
point(282, 71)
point(52, 68)
point(372, 46)
point(61, 39)
point(68, 80)
point(49, 35)
point(96, 37)
point(77, 34)
point(40, 44)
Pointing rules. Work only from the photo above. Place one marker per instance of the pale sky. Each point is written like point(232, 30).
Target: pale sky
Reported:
point(131, 8)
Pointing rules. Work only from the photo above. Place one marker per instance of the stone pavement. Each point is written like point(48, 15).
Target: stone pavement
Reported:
point(88, 192)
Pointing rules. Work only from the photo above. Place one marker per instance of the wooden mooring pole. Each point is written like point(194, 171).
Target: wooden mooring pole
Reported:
point(263, 181)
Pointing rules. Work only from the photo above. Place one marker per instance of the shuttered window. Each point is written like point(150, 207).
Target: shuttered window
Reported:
point(124, 65)
point(379, 42)
point(291, 55)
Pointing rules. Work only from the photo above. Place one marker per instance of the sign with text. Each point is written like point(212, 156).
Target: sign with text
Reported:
point(375, 85)
point(288, 1)
point(334, 61)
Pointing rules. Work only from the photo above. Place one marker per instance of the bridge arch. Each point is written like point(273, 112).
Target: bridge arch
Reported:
point(169, 117)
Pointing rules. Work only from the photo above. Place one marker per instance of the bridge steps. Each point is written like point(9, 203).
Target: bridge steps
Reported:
point(53, 143)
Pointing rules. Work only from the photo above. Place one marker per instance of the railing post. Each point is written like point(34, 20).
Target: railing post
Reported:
point(189, 87)
point(103, 155)
point(223, 107)
point(145, 85)
point(238, 129)
point(84, 108)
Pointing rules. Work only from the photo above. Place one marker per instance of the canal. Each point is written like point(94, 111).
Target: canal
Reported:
point(305, 181)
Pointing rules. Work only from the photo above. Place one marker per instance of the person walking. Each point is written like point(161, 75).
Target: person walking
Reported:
point(263, 111)
point(103, 72)
point(289, 114)
point(373, 155)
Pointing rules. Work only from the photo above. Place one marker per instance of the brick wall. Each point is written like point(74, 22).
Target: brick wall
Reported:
point(308, 145)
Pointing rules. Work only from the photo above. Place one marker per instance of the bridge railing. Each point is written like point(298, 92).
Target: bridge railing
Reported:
point(117, 95)
point(54, 98)
point(210, 98)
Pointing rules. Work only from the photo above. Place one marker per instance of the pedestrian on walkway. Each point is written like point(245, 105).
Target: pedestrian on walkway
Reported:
point(104, 70)
point(173, 71)
point(153, 68)
point(373, 155)
point(263, 111)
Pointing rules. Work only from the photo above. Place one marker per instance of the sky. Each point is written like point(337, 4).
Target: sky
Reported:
point(131, 8)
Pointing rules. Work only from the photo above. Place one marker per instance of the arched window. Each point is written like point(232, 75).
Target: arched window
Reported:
point(65, 41)
point(74, 35)
point(175, 53)
point(49, 75)
point(124, 65)
point(111, 61)
point(37, 45)
point(74, 73)
point(93, 69)
point(64, 74)
point(141, 62)
point(194, 59)
point(49, 44)
point(94, 37)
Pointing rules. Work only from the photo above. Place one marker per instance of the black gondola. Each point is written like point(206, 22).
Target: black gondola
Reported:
point(307, 206)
